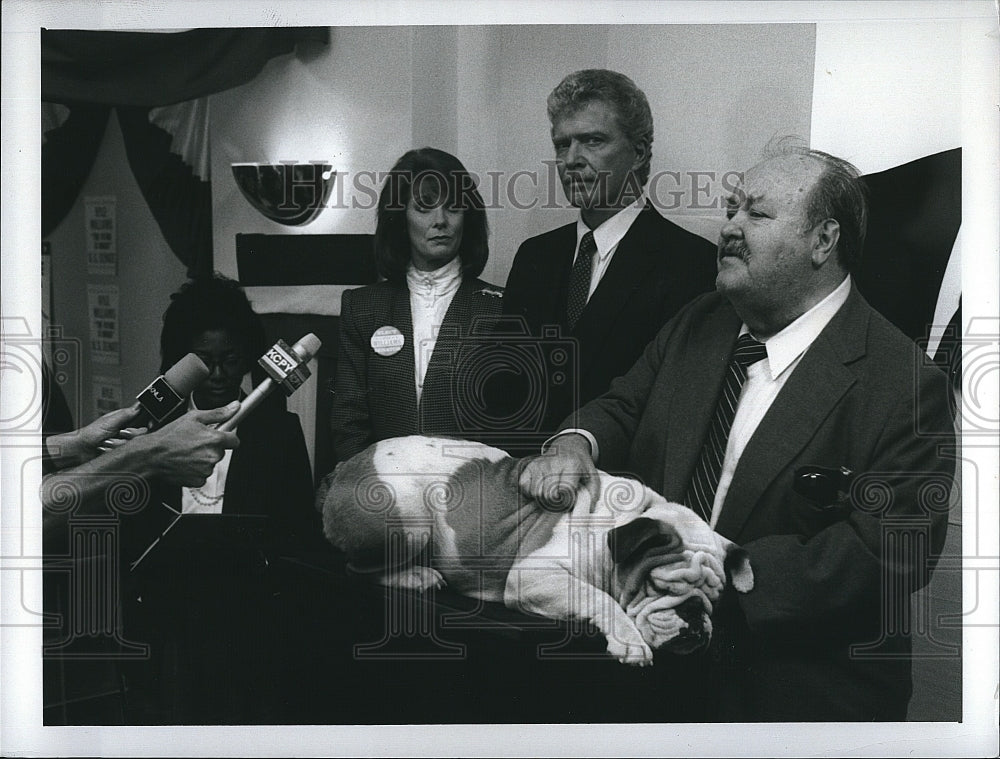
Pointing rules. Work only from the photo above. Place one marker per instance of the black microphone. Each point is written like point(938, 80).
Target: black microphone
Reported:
point(167, 392)
point(285, 367)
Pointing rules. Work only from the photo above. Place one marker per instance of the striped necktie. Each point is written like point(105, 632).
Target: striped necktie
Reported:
point(705, 480)
point(579, 279)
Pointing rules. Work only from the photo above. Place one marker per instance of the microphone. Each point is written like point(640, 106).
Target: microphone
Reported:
point(285, 367)
point(164, 394)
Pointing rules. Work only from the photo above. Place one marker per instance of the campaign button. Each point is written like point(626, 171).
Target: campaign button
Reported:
point(387, 341)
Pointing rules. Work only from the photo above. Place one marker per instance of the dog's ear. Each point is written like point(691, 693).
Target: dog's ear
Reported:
point(737, 566)
point(638, 535)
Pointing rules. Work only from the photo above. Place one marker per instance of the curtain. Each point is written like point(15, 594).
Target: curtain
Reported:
point(70, 139)
point(167, 150)
point(158, 83)
point(151, 69)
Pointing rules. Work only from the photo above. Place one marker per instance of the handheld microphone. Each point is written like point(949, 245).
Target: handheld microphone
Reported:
point(164, 394)
point(285, 367)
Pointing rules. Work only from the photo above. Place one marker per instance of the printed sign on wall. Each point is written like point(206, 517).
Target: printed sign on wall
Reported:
point(99, 219)
point(107, 395)
point(102, 305)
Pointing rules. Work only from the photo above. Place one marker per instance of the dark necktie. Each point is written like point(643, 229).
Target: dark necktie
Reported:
point(579, 279)
point(705, 480)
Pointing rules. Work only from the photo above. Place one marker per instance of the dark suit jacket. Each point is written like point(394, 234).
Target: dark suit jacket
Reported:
point(375, 396)
point(862, 397)
point(657, 268)
point(269, 474)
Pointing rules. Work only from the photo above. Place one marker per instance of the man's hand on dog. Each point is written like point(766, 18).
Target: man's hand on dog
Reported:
point(555, 477)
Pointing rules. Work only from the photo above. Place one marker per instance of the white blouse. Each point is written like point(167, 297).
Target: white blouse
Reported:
point(431, 292)
point(208, 498)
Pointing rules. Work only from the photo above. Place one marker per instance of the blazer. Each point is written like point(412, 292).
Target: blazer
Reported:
point(269, 474)
point(375, 396)
point(656, 269)
point(827, 575)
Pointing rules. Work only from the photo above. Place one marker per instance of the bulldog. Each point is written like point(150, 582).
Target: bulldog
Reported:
point(419, 512)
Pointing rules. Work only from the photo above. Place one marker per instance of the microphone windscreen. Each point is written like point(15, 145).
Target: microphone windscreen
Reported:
point(186, 374)
point(307, 346)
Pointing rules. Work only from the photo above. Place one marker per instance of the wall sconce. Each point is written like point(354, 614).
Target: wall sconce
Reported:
point(289, 193)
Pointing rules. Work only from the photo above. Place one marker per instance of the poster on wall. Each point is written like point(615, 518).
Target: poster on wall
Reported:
point(99, 220)
point(107, 394)
point(102, 306)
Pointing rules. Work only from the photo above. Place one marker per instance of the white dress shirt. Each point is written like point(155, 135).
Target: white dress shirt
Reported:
point(208, 498)
point(764, 381)
point(606, 237)
point(431, 292)
point(766, 378)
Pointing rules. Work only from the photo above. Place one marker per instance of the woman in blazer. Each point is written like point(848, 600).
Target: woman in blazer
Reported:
point(402, 366)
point(202, 607)
point(269, 473)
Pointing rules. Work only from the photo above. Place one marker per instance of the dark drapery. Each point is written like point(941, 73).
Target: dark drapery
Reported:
point(149, 69)
point(90, 72)
point(180, 199)
point(914, 214)
point(68, 153)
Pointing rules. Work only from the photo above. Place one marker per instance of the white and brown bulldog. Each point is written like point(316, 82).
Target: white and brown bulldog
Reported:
point(419, 512)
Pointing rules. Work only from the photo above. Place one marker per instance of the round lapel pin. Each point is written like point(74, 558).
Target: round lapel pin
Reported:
point(387, 341)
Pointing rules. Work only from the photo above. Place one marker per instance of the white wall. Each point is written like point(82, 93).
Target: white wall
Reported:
point(479, 91)
point(885, 95)
point(350, 105)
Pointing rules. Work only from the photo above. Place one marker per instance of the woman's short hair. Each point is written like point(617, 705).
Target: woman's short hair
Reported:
point(438, 176)
point(616, 90)
point(209, 303)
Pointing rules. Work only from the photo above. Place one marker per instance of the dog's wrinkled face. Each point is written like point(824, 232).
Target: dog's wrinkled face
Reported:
point(670, 568)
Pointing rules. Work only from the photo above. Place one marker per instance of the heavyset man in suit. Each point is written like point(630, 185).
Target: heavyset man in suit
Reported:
point(835, 393)
point(611, 279)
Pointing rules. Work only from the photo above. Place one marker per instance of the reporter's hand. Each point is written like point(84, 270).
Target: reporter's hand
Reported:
point(82, 445)
point(186, 451)
point(554, 477)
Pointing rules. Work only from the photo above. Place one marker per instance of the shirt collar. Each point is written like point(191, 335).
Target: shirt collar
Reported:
point(786, 346)
point(434, 282)
point(611, 232)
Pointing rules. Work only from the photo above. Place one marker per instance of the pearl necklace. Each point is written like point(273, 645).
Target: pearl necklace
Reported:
point(205, 500)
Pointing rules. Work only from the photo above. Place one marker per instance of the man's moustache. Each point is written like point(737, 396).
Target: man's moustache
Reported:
point(733, 248)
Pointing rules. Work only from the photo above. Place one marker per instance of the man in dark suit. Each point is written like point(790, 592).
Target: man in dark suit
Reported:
point(828, 464)
point(636, 269)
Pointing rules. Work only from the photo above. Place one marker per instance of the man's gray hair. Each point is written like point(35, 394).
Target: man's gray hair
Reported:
point(840, 193)
point(616, 90)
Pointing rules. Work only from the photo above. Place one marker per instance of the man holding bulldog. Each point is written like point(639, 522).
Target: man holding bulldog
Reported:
point(804, 427)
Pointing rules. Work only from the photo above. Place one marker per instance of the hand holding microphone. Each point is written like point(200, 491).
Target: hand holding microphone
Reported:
point(286, 367)
point(73, 448)
point(166, 393)
point(158, 401)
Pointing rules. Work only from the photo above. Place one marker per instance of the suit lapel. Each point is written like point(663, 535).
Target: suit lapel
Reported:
point(633, 259)
point(397, 369)
point(816, 385)
point(693, 403)
point(456, 321)
point(241, 474)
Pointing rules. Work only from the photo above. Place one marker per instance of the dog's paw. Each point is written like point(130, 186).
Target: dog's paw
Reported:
point(414, 578)
point(634, 653)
